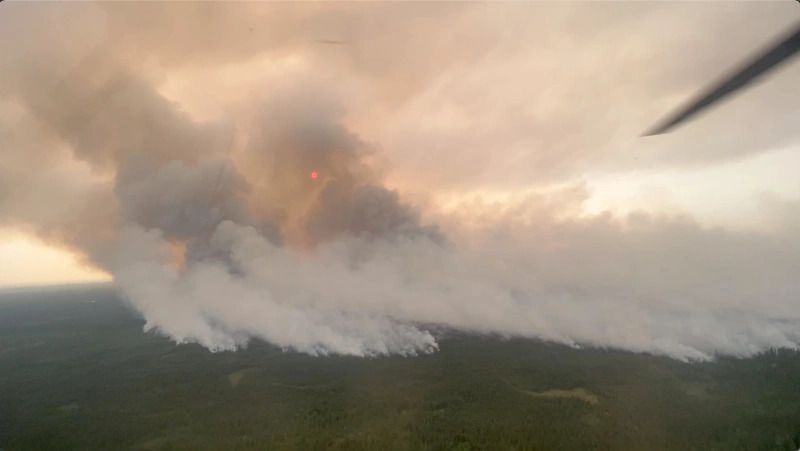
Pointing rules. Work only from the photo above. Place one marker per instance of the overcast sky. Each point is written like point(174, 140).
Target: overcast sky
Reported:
point(509, 131)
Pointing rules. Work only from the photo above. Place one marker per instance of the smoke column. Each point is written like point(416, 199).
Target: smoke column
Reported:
point(217, 233)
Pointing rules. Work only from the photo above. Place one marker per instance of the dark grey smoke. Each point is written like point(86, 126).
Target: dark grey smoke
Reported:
point(365, 211)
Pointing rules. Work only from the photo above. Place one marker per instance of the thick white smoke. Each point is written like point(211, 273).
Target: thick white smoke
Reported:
point(363, 297)
point(217, 234)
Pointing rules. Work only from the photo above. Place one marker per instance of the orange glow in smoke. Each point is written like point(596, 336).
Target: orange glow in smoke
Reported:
point(314, 175)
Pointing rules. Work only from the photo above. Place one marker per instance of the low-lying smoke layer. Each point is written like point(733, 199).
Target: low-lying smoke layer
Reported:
point(217, 232)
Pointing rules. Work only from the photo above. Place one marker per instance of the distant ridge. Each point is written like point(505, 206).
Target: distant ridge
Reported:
point(54, 287)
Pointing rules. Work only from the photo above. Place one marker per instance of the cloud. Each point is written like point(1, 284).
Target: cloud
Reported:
point(213, 228)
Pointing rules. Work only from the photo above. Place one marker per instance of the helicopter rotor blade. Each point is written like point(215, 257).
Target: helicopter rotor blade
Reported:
point(758, 66)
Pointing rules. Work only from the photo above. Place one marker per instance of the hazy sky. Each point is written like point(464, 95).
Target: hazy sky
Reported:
point(146, 140)
point(24, 261)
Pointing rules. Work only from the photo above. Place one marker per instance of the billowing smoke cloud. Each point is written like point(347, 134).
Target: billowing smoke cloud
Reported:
point(216, 231)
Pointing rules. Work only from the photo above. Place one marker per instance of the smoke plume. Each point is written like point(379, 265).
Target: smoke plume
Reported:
point(214, 228)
